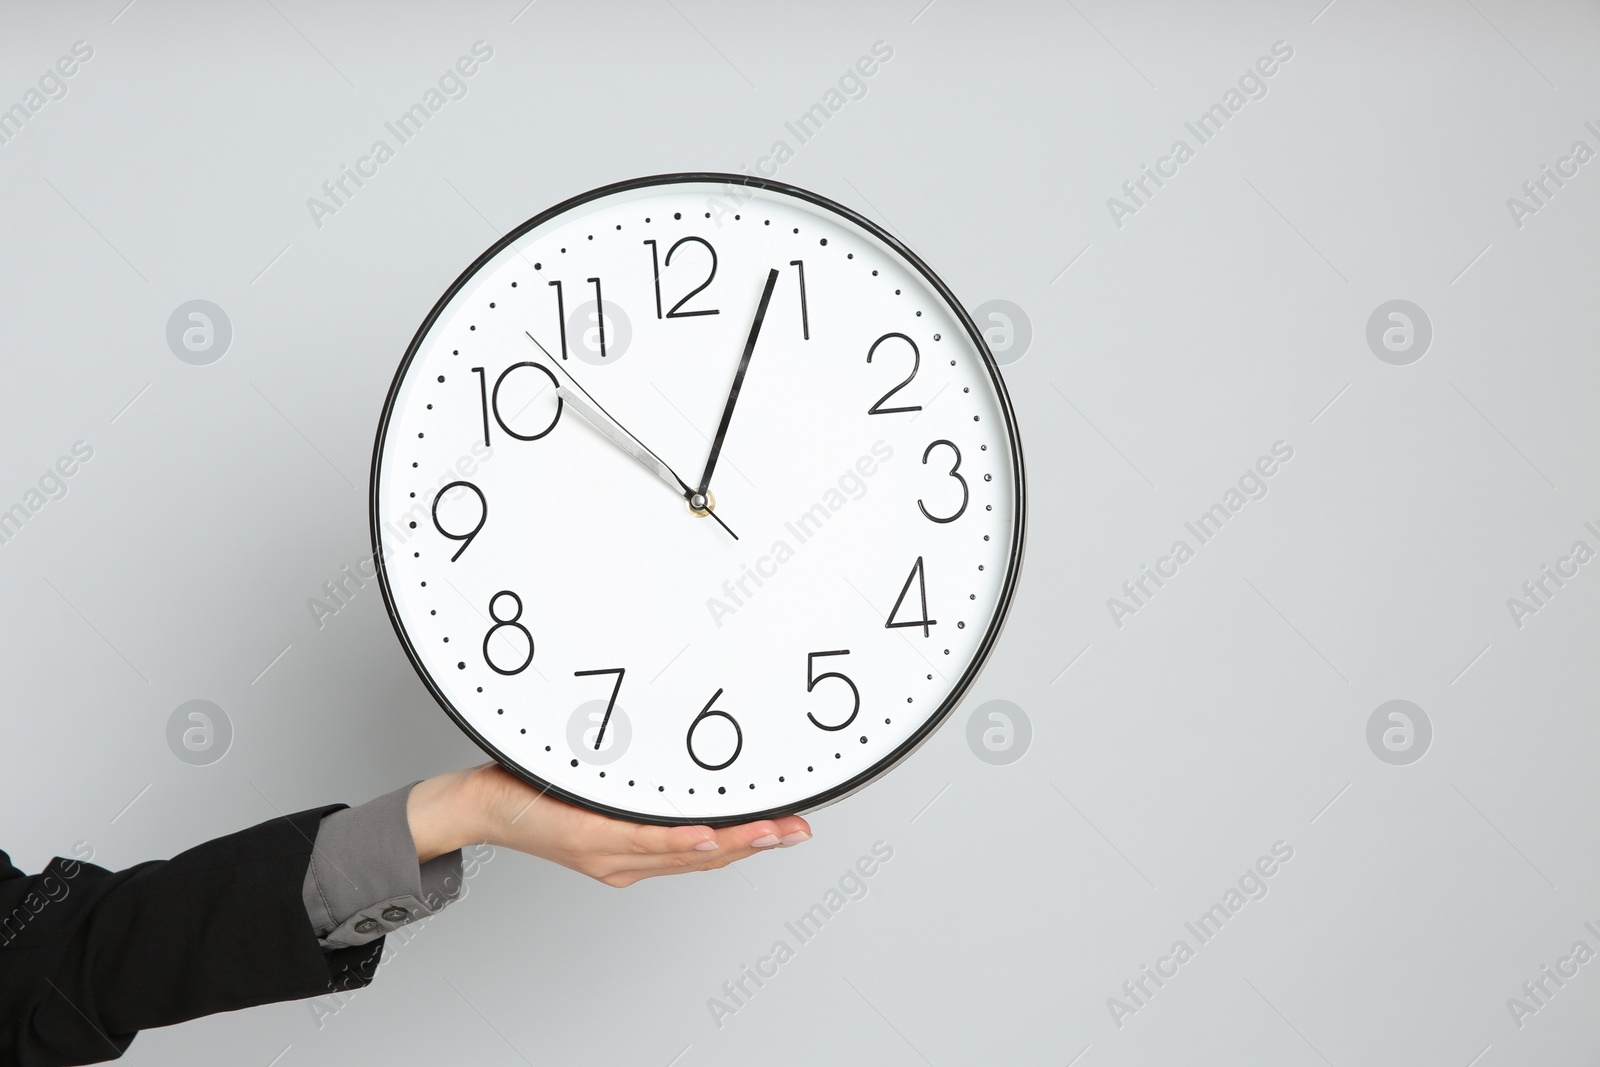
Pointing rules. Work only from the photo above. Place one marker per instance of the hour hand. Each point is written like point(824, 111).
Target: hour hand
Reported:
point(578, 398)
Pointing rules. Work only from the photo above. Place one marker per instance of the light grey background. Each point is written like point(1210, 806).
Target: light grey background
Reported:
point(1167, 754)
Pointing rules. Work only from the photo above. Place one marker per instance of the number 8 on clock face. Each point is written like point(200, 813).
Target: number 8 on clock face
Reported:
point(698, 498)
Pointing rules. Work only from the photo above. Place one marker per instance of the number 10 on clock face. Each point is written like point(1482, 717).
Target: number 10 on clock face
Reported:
point(698, 499)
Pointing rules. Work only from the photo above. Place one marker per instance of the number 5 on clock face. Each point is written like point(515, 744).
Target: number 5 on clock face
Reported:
point(698, 498)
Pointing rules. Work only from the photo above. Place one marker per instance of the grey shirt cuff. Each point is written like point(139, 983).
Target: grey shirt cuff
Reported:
point(364, 880)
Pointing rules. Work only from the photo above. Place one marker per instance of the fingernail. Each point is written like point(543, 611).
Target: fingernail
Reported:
point(705, 846)
point(765, 842)
point(795, 838)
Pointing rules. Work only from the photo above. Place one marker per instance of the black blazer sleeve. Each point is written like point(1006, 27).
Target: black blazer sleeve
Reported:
point(88, 957)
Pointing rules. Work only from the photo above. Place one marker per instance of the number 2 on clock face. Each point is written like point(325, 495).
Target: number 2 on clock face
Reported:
point(698, 499)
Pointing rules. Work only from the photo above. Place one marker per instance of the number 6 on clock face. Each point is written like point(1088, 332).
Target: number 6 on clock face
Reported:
point(790, 448)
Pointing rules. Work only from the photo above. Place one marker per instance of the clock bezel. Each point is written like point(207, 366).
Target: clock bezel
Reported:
point(958, 689)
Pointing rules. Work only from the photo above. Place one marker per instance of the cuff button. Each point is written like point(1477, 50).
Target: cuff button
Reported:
point(396, 914)
point(366, 926)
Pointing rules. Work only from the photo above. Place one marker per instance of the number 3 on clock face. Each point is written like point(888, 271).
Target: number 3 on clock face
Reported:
point(698, 498)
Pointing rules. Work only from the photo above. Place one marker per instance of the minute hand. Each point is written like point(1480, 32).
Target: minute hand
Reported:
point(738, 380)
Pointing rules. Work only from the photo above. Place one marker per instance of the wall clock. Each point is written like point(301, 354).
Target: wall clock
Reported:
point(698, 499)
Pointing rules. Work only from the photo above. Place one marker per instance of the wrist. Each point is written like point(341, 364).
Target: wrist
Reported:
point(442, 816)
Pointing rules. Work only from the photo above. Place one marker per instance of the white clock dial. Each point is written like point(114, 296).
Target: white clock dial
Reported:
point(550, 429)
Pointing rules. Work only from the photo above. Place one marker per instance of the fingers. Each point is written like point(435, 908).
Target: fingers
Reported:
point(765, 833)
point(679, 863)
point(615, 851)
point(656, 840)
point(681, 849)
point(792, 830)
point(690, 847)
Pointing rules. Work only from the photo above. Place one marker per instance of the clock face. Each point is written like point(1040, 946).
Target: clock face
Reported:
point(555, 421)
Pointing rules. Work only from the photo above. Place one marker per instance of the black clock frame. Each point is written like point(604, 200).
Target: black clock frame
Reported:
point(1019, 520)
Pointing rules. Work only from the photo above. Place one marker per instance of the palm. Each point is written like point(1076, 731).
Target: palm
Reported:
point(618, 853)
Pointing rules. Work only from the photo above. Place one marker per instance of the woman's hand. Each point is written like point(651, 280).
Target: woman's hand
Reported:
point(489, 804)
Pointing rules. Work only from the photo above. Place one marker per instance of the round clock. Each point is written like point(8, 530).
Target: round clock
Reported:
point(698, 499)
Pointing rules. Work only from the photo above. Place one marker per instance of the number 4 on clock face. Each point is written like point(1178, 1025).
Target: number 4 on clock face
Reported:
point(922, 598)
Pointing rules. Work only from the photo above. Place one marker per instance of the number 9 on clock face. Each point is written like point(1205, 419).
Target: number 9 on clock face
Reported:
point(698, 498)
